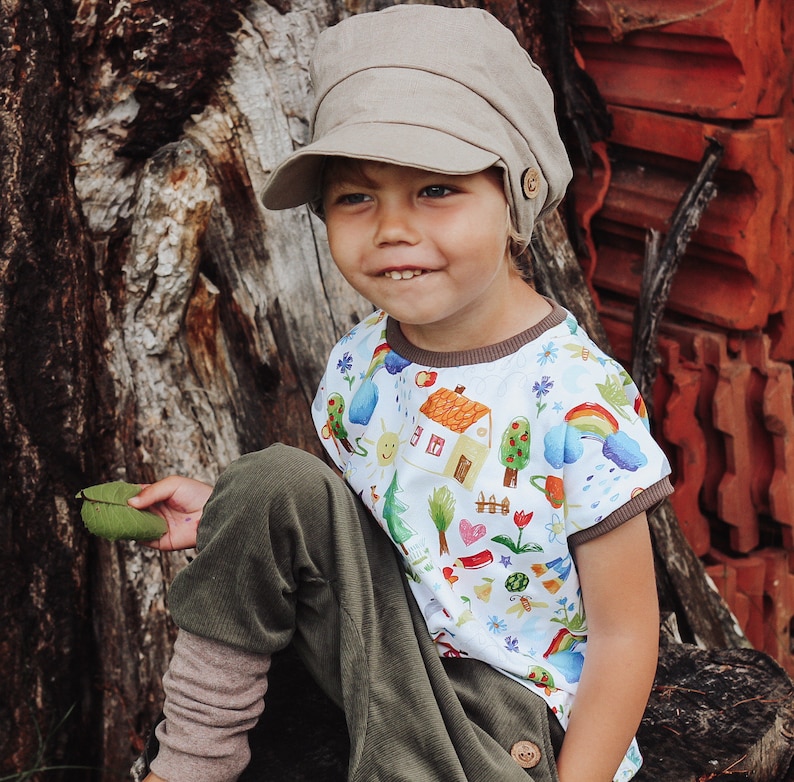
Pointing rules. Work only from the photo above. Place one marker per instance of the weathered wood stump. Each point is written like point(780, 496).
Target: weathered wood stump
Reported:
point(718, 714)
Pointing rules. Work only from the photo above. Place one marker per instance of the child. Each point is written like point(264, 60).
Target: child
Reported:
point(506, 459)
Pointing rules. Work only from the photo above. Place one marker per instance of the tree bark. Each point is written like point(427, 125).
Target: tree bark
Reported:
point(219, 315)
point(53, 392)
point(155, 319)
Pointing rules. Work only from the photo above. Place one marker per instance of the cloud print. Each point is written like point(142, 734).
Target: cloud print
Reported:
point(562, 445)
point(625, 452)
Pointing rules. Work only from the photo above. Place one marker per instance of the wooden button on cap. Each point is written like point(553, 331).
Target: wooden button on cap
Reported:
point(526, 754)
point(530, 183)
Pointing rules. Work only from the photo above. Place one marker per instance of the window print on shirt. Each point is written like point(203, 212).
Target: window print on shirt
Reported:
point(452, 436)
point(436, 445)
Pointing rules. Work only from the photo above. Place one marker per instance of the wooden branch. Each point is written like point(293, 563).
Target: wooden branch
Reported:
point(684, 587)
point(707, 617)
point(557, 274)
point(661, 263)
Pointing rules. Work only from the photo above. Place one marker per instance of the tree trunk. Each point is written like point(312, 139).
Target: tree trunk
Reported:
point(219, 315)
point(155, 319)
point(53, 397)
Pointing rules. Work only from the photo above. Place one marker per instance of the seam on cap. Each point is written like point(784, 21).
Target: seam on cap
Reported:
point(319, 100)
point(407, 125)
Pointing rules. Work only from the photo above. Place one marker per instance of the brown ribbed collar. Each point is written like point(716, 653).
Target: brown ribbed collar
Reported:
point(483, 355)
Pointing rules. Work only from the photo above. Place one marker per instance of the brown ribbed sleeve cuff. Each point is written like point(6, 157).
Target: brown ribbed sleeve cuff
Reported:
point(645, 501)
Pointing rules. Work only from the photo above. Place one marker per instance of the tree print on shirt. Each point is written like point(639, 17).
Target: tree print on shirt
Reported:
point(514, 450)
point(441, 507)
point(335, 427)
point(393, 508)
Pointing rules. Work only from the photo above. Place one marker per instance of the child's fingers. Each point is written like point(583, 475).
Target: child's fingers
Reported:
point(181, 534)
point(161, 491)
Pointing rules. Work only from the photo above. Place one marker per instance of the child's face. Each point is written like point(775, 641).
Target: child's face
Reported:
point(430, 249)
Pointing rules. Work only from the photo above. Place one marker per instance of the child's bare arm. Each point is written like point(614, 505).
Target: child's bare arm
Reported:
point(619, 594)
point(180, 501)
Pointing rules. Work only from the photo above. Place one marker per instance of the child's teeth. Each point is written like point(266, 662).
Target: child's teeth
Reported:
point(403, 275)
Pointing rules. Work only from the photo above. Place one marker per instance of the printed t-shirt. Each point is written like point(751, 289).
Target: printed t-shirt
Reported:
point(486, 468)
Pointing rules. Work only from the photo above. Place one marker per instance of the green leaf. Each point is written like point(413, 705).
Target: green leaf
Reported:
point(105, 513)
point(514, 546)
point(508, 542)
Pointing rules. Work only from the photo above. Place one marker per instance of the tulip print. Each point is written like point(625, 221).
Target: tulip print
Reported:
point(521, 519)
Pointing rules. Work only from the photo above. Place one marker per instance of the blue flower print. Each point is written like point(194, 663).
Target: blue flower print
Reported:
point(548, 354)
point(542, 387)
point(345, 364)
point(555, 528)
point(496, 625)
point(511, 644)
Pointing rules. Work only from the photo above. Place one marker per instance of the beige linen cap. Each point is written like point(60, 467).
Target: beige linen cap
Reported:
point(442, 89)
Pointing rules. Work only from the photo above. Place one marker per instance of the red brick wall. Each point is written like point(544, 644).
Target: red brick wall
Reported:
point(674, 72)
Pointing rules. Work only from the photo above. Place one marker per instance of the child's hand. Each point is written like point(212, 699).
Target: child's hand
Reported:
point(180, 501)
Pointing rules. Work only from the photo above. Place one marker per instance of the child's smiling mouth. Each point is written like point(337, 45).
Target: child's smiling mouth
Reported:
point(403, 274)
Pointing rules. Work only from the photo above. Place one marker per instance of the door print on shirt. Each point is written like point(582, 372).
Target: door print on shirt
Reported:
point(451, 437)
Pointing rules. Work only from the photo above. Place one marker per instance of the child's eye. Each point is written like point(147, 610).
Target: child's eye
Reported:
point(352, 198)
point(436, 191)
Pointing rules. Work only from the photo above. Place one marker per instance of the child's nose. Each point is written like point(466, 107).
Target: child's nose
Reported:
point(395, 226)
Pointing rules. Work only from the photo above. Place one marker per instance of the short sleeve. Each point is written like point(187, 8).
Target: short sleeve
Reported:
point(607, 455)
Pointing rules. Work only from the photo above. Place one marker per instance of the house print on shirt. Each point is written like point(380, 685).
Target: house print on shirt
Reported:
point(452, 436)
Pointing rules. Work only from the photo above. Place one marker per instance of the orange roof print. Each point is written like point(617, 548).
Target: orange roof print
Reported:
point(453, 410)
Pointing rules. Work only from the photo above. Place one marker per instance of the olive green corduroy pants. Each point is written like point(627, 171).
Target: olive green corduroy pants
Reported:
point(288, 554)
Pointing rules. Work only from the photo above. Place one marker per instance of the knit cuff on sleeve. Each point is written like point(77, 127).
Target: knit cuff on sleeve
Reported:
point(214, 694)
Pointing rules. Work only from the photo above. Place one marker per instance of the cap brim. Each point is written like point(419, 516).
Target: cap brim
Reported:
point(296, 180)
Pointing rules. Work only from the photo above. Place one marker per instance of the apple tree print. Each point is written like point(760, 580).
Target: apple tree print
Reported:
point(514, 450)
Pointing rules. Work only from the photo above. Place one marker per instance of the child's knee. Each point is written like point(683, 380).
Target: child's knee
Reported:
point(268, 498)
point(278, 469)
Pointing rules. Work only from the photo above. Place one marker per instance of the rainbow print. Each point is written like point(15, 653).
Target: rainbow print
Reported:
point(592, 420)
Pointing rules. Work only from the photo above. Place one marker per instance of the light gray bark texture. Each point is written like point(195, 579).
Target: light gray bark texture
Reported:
point(218, 313)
